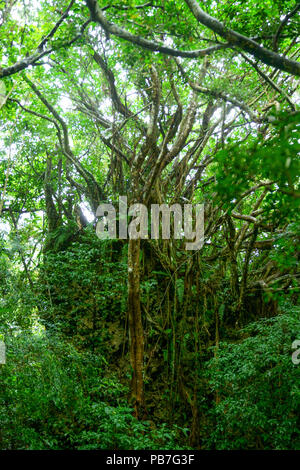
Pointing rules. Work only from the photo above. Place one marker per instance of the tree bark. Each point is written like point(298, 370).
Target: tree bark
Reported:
point(136, 340)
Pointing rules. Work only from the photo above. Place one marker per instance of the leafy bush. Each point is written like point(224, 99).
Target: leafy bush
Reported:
point(84, 291)
point(258, 388)
point(53, 397)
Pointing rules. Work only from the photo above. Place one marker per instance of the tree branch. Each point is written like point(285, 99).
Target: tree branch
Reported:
point(39, 53)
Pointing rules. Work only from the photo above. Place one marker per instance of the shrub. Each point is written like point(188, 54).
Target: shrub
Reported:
point(258, 388)
point(53, 397)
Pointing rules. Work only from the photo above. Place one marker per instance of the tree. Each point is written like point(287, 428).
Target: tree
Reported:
point(93, 113)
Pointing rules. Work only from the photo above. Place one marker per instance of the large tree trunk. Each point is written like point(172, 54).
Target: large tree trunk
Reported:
point(136, 339)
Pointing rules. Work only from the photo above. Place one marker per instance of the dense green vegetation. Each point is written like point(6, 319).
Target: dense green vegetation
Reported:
point(142, 344)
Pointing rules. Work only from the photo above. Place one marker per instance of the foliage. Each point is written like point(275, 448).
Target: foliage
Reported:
point(148, 101)
point(84, 289)
point(258, 387)
point(53, 397)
